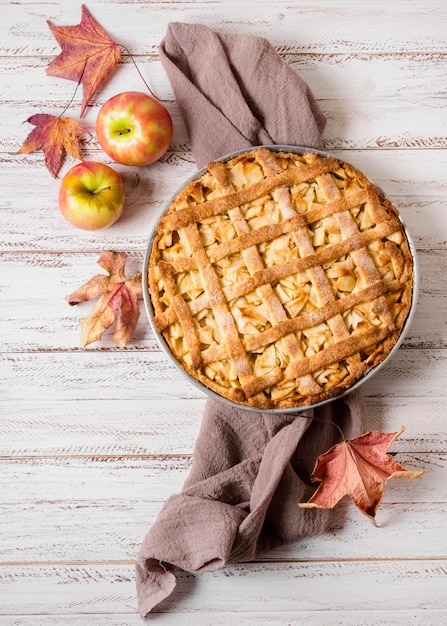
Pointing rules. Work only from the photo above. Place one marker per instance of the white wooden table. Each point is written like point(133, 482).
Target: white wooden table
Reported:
point(93, 441)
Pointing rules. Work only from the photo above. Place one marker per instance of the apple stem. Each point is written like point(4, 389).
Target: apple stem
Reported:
point(95, 191)
point(138, 70)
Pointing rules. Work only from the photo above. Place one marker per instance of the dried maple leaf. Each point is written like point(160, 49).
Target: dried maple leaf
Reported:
point(118, 300)
point(358, 468)
point(88, 55)
point(56, 136)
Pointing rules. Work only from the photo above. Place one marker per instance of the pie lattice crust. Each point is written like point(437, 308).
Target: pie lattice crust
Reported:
point(278, 280)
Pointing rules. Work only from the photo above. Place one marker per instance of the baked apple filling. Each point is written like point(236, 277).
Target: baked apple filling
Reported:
point(278, 280)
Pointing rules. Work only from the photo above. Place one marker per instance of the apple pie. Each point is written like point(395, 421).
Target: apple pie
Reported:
point(279, 279)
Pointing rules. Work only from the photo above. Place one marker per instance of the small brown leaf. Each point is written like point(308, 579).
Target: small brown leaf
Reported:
point(88, 55)
point(118, 301)
point(56, 137)
point(358, 468)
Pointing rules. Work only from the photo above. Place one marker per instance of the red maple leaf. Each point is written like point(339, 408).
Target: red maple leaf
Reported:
point(358, 468)
point(57, 136)
point(88, 55)
point(118, 301)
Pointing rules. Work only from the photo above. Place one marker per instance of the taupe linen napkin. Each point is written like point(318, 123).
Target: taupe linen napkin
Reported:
point(235, 91)
point(250, 470)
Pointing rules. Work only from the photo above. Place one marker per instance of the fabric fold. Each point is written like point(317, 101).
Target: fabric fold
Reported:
point(249, 472)
point(250, 469)
point(235, 91)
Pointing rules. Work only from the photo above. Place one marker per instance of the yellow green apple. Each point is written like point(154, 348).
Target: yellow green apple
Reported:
point(91, 195)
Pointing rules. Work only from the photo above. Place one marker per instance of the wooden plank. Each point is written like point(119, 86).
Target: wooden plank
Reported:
point(93, 441)
point(103, 375)
point(30, 219)
point(423, 419)
point(397, 172)
point(409, 372)
point(104, 427)
point(99, 509)
point(357, 92)
point(82, 375)
point(35, 285)
point(414, 617)
point(108, 479)
point(52, 277)
point(32, 222)
point(279, 587)
point(346, 27)
point(134, 427)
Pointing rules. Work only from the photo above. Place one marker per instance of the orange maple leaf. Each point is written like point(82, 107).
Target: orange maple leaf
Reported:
point(57, 136)
point(358, 468)
point(118, 300)
point(88, 55)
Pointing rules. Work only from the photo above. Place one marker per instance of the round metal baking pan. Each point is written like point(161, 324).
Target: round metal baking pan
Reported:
point(209, 392)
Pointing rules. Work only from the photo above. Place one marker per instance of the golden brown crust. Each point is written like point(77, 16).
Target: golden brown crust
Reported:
point(278, 280)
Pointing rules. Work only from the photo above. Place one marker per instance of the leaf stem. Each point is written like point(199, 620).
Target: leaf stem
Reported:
point(82, 74)
point(76, 89)
point(138, 70)
point(325, 421)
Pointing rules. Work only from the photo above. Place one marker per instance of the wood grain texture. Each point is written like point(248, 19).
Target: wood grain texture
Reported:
point(91, 375)
point(35, 285)
point(57, 520)
point(93, 441)
point(411, 617)
point(345, 26)
point(135, 427)
point(32, 222)
point(292, 587)
point(355, 91)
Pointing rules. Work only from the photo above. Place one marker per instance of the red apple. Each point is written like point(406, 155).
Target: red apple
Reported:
point(133, 128)
point(91, 195)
